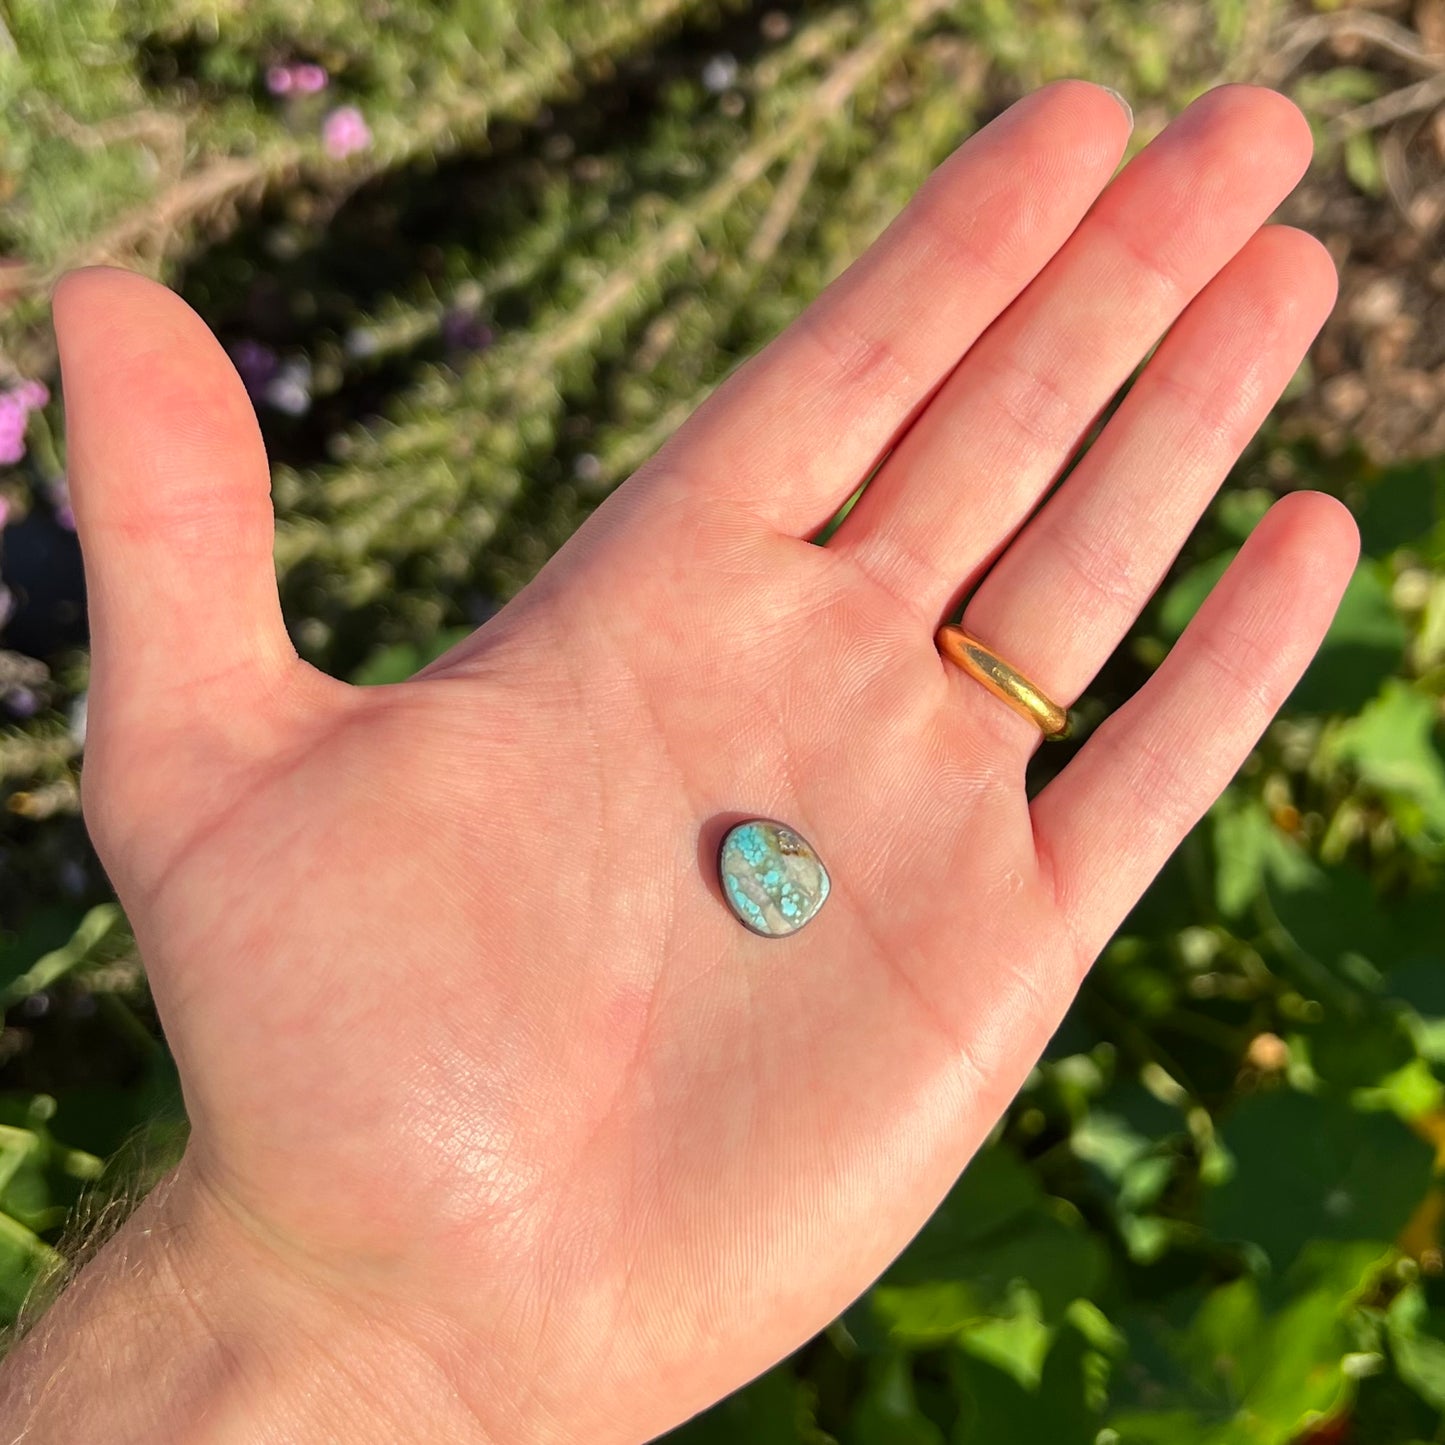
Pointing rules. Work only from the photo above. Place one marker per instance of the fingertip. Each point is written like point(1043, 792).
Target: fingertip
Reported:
point(1087, 107)
point(1259, 113)
point(1293, 273)
point(1321, 531)
point(1308, 256)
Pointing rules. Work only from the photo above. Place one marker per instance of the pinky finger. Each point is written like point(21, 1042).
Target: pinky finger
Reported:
point(1107, 824)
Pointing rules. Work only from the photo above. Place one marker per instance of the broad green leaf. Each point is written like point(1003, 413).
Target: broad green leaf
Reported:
point(1058, 1258)
point(1311, 1167)
point(1334, 913)
point(1392, 745)
point(1249, 850)
point(995, 1407)
point(887, 1412)
point(1186, 594)
point(1365, 644)
point(23, 1256)
point(1016, 1342)
point(1360, 1042)
point(1240, 510)
point(995, 1190)
point(1403, 506)
point(396, 664)
point(1417, 1343)
point(1419, 986)
point(1240, 1374)
point(774, 1410)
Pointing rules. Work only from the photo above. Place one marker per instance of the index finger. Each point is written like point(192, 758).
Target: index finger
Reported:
point(793, 432)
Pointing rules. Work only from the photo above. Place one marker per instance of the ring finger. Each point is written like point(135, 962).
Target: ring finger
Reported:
point(1069, 587)
point(1015, 409)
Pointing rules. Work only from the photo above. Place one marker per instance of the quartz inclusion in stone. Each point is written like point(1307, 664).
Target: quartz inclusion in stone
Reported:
point(771, 877)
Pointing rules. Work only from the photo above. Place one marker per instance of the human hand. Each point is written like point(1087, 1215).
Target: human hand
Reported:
point(494, 1103)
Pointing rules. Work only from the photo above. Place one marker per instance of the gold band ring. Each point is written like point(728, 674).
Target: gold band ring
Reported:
point(1003, 681)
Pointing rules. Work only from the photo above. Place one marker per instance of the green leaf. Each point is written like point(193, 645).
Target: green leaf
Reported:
point(1420, 987)
point(1016, 1342)
point(1416, 1331)
point(1403, 506)
point(1248, 850)
point(1310, 1167)
point(1240, 1374)
point(1359, 1042)
point(23, 1256)
point(1241, 509)
point(43, 931)
point(1184, 597)
point(996, 1190)
point(995, 1407)
point(1364, 646)
point(398, 663)
point(996, 1231)
point(1058, 1257)
point(1392, 747)
point(95, 926)
point(1362, 163)
point(887, 1412)
point(774, 1410)
point(1333, 913)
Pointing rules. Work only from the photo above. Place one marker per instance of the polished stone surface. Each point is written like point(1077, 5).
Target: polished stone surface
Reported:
point(771, 877)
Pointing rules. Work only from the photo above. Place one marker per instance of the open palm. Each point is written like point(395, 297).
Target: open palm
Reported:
point(469, 1039)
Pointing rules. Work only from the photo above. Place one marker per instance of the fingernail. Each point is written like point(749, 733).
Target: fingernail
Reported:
point(1128, 109)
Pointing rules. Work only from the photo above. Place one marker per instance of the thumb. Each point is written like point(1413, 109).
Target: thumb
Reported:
point(171, 492)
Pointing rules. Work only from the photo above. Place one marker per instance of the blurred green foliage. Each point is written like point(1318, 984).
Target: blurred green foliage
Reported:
point(1212, 1216)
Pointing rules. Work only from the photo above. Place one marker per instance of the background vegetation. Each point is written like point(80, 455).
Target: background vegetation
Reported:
point(475, 259)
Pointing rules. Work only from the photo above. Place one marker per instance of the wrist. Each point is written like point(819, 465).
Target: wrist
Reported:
point(186, 1327)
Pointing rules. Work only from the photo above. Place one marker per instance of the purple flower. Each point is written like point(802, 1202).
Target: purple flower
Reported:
point(256, 363)
point(33, 394)
point(280, 79)
point(345, 132)
point(463, 330)
point(22, 702)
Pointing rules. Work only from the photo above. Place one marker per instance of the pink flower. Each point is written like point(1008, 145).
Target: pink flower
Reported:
point(15, 408)
point(345, 132)
point(13, 414)
point(280, 79)
point(308, 79)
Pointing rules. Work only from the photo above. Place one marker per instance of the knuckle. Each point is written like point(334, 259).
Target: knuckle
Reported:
point(1037, 404)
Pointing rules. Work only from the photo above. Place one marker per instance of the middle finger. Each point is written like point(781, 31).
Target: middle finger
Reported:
point(1007, 421)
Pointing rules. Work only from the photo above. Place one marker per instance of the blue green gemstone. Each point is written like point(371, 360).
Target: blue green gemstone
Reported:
point(771, 877)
